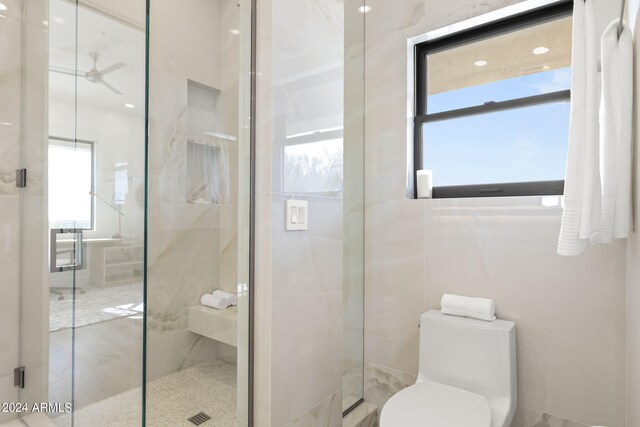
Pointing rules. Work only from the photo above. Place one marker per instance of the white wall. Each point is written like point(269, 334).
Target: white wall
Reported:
point(569, 311)
point(633, 251)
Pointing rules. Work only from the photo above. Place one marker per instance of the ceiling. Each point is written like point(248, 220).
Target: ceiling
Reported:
point(507, 56)
point(113, 39)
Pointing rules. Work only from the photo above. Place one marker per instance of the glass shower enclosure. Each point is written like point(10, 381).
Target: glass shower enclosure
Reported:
point(124, 198)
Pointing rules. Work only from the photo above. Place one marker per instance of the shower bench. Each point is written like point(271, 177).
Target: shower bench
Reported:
point(219, 325)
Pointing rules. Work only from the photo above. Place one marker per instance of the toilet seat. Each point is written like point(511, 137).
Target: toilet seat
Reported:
point(431, 404)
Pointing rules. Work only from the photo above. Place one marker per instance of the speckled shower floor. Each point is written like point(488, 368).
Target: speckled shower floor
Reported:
point(171, 400)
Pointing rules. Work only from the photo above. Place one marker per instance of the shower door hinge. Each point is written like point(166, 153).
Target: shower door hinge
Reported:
point(18, 377)
point(21, 178)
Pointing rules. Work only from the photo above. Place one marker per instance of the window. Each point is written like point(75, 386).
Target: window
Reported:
point(492, 106)
point(70, 183)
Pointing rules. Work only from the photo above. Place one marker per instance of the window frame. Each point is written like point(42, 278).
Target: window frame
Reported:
point(70, 142)
point(472, 32)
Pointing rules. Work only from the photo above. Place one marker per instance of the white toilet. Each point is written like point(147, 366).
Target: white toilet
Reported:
point(466, 378)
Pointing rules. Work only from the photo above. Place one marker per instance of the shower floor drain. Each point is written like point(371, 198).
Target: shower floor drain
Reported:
point(199, 418)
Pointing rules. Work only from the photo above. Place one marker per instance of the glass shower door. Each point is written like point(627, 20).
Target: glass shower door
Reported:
point(95, 153)
point(72, 193)
point(199, 198)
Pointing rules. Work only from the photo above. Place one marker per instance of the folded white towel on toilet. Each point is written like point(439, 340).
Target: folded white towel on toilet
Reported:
point(476, 308)
point(232, 299)
point(214, 301)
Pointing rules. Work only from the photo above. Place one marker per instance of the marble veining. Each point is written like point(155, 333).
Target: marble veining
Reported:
point(327, 413)
point(380, 383)
point(364, 415)
point(526, 417)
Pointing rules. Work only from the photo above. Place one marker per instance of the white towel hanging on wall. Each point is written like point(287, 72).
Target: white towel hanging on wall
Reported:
point(616, 138)
point(582, 185)
point(598, 201)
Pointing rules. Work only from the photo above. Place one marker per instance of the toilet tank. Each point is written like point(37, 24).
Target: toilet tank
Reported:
point(471, 354)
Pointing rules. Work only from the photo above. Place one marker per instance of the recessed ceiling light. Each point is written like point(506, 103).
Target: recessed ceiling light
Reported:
point(364, 9)
point(540, 50)
point(234, 31)
point(7, 123)
point(480, 63)
point(45, 22)
point(3, 7)
point(546, 67)
point(129, 105)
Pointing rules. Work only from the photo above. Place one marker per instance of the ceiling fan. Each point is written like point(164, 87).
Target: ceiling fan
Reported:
point(93, 75)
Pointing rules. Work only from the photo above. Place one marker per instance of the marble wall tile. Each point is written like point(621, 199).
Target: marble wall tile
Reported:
point(440, 14)
point(385, 18)
point(129, 10)
point(184, 267)
point(10, 109)
point(9, 394)
point(526, 417)
point(380, 383)
point(263, 201)
point(9, 296)
point(327, 413)
point(36, 14)
point(14, 10)
point(307, 278)
point(107, 361)
point(386, 107)
point(228, 276)
point(264, 95)
point(394, 274)
point(364, 415)
point(352, 380)
point(180, 349)
point(35, 296)
point(263, 311)
point(353, 291)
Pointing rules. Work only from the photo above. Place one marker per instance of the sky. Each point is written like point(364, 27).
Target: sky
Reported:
point(527, 144)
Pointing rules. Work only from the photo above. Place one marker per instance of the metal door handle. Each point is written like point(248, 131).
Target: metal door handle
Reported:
point(77, 250)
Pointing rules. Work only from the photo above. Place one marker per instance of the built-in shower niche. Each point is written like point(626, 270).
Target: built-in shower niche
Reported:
point(207, 148)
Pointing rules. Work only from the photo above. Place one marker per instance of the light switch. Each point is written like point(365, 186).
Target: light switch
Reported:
point(297, 215)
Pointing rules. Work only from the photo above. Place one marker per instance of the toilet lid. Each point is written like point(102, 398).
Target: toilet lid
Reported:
point(431, 404)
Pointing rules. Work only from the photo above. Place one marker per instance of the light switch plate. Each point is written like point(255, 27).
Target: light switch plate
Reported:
point(297, 215)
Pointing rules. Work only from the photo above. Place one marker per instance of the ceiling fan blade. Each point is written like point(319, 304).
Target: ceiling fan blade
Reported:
point(112, 68)
point(63, 70)
point(111, 87)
